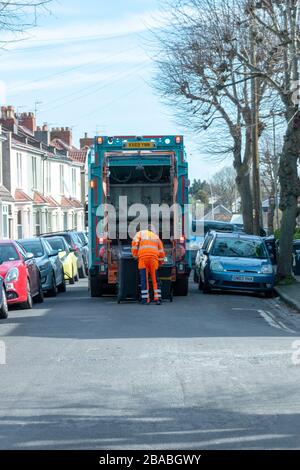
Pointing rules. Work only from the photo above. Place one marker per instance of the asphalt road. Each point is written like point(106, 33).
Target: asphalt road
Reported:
point(206, 372)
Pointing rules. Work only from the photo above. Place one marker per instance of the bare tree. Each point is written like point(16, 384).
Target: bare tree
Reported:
point(17, 17)
point(224, 185)
point(200, 73)
point(280, 21)
point(270, 177)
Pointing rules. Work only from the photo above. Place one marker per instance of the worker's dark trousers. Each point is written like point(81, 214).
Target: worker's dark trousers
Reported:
point(144, 273)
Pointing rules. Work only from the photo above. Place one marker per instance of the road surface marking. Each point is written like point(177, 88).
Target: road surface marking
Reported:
point(269, 318)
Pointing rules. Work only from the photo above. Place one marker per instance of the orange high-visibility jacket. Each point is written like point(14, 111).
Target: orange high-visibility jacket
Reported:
point(147, 244)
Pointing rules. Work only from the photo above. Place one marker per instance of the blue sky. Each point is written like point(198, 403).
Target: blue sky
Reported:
point(88, 66)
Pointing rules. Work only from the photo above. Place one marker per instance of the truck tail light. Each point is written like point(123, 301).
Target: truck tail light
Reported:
point(178, 139)
point(103, 254)
point(100, 140)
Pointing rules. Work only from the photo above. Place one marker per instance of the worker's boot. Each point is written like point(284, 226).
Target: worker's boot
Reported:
point(158, 302)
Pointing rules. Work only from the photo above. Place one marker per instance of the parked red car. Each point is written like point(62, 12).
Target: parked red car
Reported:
point(21, 275)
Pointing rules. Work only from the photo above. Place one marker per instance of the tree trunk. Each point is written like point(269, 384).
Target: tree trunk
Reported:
point(290, 191)
point(271, 215)
point(244, 188)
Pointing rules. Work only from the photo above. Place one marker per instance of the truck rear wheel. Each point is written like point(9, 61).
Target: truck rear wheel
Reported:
point(96, 287)
point(181, 287)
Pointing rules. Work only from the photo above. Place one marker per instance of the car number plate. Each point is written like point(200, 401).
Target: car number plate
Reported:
point(242, 278)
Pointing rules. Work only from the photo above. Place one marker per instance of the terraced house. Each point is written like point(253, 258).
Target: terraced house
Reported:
point(41, 178)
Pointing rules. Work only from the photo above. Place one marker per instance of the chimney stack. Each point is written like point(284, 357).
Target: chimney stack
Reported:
point(28, 120)
point(86, 141)
point(8, 118)
point(63, 134)
point(43, 134)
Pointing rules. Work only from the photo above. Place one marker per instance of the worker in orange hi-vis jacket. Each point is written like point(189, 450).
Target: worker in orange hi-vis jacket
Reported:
point(148, 249)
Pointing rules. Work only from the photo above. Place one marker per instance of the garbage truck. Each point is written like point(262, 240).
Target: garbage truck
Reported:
point(127, 173)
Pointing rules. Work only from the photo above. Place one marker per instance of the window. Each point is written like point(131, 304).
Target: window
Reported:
point(19, 171)
point(65, 221)
point(48, 221)
point(48, 177)
point(62, 179)
point(20, 225)
point(74, 185)
point(5, 225)
point(37, 223)
point(34, 173)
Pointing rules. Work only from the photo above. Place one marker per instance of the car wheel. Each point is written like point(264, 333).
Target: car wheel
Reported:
point(200, 283)
point(39, 299)
point(29, 302)
point(269, 294)
point(72, 280)
point(62, 287)
point(206, 288)
point(82, 272)
point(4, 307)
point(181, 287)
point(53, 290)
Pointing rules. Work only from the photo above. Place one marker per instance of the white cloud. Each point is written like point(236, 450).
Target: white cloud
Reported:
point(75, 57)
point(134, 23)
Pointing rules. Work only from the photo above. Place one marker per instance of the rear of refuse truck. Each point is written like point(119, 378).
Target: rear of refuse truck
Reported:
point(125, 172)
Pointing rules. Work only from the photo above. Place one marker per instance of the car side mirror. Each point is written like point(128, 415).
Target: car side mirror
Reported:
point(29, 256)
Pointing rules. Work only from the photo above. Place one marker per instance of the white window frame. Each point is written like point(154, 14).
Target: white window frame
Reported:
point(34, 172)
point(5, 222)
point(74, 182)
point(48, 178)
point(62, 179)
point(19, 171)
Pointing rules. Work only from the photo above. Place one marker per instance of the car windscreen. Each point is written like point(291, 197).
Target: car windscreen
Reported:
point(34, 247)
point(83, 238)
point(8, 253)
point(56, 244)
point(239, 248)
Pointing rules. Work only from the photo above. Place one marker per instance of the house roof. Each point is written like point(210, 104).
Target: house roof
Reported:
point(66, 203)
point(52, 202)
point(76, 204)
point(78, 156)
point(61, 145)
point(38, 198)
point(21, 196)
point(5, 195)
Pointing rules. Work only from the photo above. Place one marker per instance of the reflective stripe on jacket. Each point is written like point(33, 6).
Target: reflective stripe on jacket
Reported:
point(147, 244)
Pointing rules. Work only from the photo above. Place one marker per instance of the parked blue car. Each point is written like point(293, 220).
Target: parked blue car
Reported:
point(49, 264)
point(235, 261)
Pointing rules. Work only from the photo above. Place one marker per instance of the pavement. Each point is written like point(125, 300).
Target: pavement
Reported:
point(290, 293)
point(218, 371)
